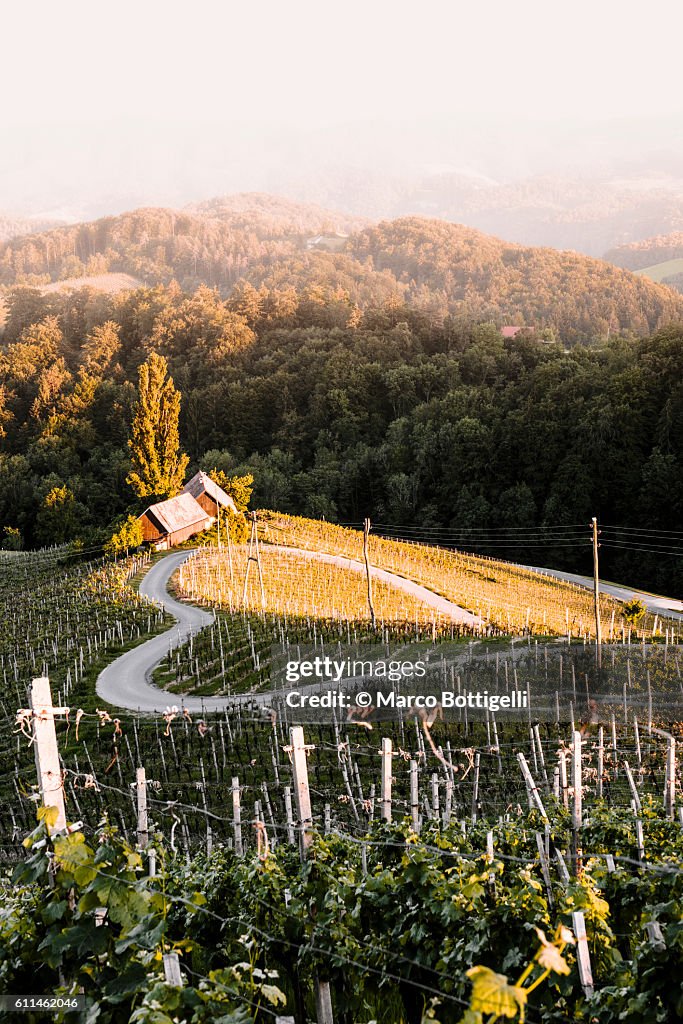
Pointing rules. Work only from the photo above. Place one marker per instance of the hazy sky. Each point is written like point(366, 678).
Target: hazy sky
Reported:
point(122, 99)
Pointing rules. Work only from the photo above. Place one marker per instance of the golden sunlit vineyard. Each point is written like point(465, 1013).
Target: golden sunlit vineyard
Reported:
point(511, 598)
point(295, 585)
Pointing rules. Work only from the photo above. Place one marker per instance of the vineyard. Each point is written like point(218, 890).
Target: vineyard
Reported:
point(237, 867)
point(295, 584)
point(60, 616)
point(512, 599)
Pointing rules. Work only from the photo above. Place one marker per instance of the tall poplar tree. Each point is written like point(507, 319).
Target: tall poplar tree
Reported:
point(158, 465)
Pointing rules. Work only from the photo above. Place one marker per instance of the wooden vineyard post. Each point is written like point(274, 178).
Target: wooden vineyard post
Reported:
point(323, 1002)
point(545, 868)
point(448, 803)
point(640, 840)
point(386, 756)
point(601, 759)
point(583, 957)
point(141, 789)
point(290, 815)
point(632, 786)
point(577, 804)
point(366, 534)
point(489, 857)
point(532, 789)
point(435, 797)
point(563, 779)
point(46, 751)
point(475, 787)
point(670, 781)
point(236, 817)
point(302, 796)
point(541, 758)
point(172, 970)
point(414, 798)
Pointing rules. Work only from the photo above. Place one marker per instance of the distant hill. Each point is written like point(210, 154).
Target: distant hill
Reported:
point(575, 295)
point(660, 258)
point(588, 216)
point(290, 214)
point(10, 226)
point(275, 244)
point(648, 252)
point(213, 243)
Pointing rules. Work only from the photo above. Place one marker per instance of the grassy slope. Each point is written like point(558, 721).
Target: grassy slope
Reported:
point(659, 272)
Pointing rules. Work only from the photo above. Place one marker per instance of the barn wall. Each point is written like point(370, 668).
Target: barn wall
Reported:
point(150, 530)
point(188, 531)
point(207, 503)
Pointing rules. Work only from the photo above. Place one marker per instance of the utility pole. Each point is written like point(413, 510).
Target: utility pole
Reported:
point(366, 534)
point(596, 596)
point(256, 557)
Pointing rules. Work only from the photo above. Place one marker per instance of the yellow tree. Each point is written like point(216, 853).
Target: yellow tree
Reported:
point(159, 466)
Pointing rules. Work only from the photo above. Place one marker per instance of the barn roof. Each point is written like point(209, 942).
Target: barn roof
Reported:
point(201, 483)
point(177, 513)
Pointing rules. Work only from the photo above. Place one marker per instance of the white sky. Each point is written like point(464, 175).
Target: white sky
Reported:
point(321, 60)
point(112, 70)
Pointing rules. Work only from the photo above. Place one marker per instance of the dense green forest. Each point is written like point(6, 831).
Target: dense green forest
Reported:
point(342, 413)
point(440, 268)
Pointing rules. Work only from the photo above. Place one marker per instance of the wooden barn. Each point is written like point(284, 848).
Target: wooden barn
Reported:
point(172, 521)
point(209, 495)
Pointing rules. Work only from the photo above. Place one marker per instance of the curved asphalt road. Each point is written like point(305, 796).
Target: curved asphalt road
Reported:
point(666, 607)
point(125, 682)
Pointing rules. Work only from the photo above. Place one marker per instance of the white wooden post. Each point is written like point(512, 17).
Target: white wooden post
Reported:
point(563, 779)
point(172, 970)
point(601, 759)
point(640, 840)
point(632, 786)
point(545, 868)
point(46, 751)
point(475, 786)
point(323, 1002)
point(448, 803)
point(670, 784)
point(583, 958)
point(290, 815)
point(414, 798)
point(386, 779)
point(141, 786)
point(435, 796)
point(302, 796)
point(532, 789)
point(577, 806)
point(237, 816)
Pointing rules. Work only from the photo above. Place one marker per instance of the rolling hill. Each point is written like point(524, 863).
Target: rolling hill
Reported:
point(278, 245)
point(11, 226)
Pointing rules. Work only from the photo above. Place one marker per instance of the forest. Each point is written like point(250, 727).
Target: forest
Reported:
point(439, 268)
point(441, 430)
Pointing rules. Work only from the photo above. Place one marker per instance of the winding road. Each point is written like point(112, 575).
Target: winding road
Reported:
point(666, 607)
point(126, 682)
